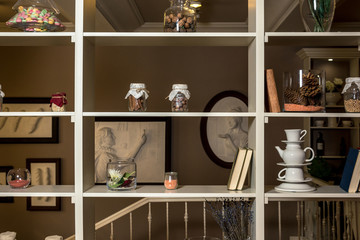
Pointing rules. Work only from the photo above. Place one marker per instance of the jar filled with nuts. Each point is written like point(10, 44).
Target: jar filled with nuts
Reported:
point(179, 97)
point(2, 95)
point(137, 96)
point(351, 93)
point(180, 17)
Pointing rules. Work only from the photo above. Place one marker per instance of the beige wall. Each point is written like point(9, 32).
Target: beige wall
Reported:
point(39, 72)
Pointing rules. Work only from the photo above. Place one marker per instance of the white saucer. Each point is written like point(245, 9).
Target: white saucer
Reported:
point(286, 141)
point(294, 187)
point(295, 181)
point(294, 165)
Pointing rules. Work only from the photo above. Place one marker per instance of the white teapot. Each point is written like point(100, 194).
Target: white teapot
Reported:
point(293, 154)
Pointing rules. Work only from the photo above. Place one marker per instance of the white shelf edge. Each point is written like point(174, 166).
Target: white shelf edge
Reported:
point(333, 128)
point(158, 191)
point(163, 34)
point(39, 191)
point(325, 192)
point(313, 114)
point(37, 114)
point(312, 34)
point(168, 114)
point(37, 34)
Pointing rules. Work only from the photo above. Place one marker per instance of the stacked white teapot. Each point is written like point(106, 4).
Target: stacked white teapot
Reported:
point(294, 159)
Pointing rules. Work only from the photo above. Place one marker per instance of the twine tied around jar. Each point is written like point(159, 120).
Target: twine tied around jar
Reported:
point(137, 90)
point(176, 88)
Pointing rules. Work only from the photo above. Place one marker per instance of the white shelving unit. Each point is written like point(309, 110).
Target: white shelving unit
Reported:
point(85, 39)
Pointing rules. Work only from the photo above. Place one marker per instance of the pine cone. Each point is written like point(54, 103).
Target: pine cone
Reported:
point(293, 96)
point(310, 91)
point(310, 79)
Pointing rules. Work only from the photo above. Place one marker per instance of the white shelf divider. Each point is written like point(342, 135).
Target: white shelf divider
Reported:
point(38, 191)
point(169, 114)
point(159, 191)
point(170, 39)
point(311, 114)
point(36, 39)
point(325, 192)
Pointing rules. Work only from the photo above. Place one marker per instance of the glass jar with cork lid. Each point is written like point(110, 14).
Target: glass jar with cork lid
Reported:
point(351, 93)
point(179, 97)
point(137, 95)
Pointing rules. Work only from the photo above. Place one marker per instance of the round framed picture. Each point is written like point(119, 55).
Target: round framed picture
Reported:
point(221, 137)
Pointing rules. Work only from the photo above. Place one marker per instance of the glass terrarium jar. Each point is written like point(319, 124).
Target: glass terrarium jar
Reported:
point(351, 93)
point(121, 175)
point(18, 178)
point(2, 95)
point(179, 97)
point(137, 95)
point(36, 16)
point(179, 17)
point(58, 102)
point(304, 91)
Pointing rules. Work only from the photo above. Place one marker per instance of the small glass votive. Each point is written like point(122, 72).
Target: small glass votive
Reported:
point(171, 180)
point(18, 178)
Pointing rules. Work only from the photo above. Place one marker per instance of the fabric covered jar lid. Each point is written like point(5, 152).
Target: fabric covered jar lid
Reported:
point(349, 81)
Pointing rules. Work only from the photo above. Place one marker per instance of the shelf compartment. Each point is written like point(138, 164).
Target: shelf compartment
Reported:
point(170, 39)
point(325, 192)
point(321, 39)
point(159, 191)
point(311, 114)
point(39, 191)
point(36, 39)
point(168, 114)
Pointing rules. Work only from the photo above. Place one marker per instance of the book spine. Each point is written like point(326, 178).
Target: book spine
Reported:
point(272, 92)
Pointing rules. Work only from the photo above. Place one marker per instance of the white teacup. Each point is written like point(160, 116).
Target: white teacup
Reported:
point(346, 123)
point(292, 174)
point(294, 135)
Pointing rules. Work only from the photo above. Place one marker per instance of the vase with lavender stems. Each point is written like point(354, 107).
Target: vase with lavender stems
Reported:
point(234, 216)
point(317, 15)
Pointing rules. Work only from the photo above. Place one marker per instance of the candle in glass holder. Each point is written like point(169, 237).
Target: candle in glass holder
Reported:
point(171, 180)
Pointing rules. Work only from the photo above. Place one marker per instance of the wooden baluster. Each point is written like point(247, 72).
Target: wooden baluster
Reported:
point(149, 220)
point(345, 222)
point(356, 229)
point(333, 221)
point(186, 219)
point(111, 230)
point(131, 226)
point(324, 221)
point(318, 222)
point(223, 214)
point(167, 220)
point(298, 219)
point(338, 220)
point(279, 218)
point(349, 215)
point(204, 217)
point(302, 218)
point(328, 220)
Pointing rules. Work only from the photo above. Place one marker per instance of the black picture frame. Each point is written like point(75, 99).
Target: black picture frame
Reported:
point(20, 103)
point(204, 124)
point(3, 173)
point(48, 167)
point(142, 121)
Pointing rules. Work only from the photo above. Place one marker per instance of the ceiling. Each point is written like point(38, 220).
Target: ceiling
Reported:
point(136, 15)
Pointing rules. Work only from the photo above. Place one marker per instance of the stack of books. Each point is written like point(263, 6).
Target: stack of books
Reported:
point(240, 169)
point(351, 175)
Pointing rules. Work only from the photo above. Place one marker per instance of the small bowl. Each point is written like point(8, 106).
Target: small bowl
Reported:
point(346, 123)
point(18, 178)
